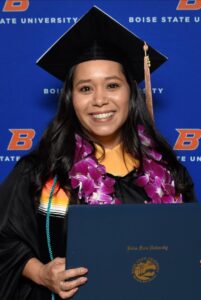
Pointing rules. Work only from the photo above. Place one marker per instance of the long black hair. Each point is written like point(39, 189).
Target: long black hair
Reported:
point(55, 152)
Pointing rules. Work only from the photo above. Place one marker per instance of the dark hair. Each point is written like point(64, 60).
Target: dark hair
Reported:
point(55, 152)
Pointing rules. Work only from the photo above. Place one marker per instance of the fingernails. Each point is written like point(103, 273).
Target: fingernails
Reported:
point(83, 270)
point(83, 279)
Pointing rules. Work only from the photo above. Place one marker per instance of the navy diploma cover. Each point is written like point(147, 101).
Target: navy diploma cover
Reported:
point(136, 251)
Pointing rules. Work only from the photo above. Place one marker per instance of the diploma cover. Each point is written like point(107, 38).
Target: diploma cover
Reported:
point(136, 252)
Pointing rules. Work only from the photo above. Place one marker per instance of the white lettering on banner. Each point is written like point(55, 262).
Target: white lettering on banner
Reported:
point(57, 91)
point(180, 19)
point(51, 91)
point(9, 158)
point(193, 159)
point(42, 20)
point(181, 158)
point(143, 19)
point(73, 20)
point(196, 19)
point(164, 19)
point(8, 21)
point(47, 20)
point(156, 90)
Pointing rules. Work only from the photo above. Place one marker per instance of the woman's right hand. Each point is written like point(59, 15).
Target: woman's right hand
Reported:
point(63, 282)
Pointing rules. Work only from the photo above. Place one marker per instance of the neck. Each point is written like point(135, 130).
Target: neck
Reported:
point(108, 142)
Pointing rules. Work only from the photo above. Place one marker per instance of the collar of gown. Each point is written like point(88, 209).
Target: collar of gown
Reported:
point(115, 161)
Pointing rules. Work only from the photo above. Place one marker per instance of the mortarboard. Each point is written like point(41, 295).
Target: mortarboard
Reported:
point(97, 36)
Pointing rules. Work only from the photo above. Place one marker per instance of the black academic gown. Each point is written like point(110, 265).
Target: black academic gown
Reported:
point(22, 230)
point(18, 234)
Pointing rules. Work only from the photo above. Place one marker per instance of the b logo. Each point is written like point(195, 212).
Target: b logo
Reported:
point(188, 139)
point(16, 5)
point(21, 139)
point(188, 5)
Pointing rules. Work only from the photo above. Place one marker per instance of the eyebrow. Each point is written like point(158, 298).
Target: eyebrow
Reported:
point(90, 80)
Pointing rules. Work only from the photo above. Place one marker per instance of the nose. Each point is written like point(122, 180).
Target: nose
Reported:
point(100, 97)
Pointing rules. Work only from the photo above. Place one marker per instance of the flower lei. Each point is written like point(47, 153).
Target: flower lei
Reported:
point(90, 177)
point(155, 177)
point(95, 187)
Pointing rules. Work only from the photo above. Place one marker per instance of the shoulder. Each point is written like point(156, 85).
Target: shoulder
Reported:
point(25, 166)
point(15, 191)
point(16, 185)
point(20, 170)
point(187, 182)
point(185, 176)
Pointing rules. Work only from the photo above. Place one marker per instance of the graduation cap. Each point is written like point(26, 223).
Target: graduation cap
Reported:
point(98, 36)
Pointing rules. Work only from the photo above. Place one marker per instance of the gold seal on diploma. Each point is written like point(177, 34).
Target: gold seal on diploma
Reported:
point(145, 269)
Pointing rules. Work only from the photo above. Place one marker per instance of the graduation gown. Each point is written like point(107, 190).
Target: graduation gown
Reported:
point(18, 233)
point(22, 226)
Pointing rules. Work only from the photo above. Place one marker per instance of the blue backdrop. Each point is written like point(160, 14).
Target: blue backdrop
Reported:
point(29, 95)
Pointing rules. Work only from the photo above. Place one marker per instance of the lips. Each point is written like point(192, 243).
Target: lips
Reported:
point(104, 115)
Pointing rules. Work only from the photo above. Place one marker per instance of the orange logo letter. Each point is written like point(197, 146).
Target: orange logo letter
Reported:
point(185, 5)
point(188, 139)
point(16, 5)
point(21, 139)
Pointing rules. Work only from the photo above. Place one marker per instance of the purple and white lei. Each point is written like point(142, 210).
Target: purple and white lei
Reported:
point(155, 178)
point(95, 187)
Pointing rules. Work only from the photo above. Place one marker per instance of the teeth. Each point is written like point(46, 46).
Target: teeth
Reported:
point(103, 116)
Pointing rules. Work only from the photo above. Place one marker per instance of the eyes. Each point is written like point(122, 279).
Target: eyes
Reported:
point(89, 88)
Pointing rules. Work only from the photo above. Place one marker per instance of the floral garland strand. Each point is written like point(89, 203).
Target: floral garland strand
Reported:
point(95, 187)
point(155, 177)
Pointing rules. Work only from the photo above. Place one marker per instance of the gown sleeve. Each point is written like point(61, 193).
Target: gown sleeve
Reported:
point(18, 232)
point(189, 193)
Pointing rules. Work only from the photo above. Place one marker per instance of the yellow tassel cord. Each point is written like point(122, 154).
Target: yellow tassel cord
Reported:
point(147, 78)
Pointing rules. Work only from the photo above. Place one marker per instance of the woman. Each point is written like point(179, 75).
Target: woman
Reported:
point(101, 148)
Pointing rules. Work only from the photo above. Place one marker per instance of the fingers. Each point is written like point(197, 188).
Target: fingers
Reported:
point(63, 282)
point(71, 273)
point(60, 260)
point(67, 287)
point(66, 295)
point(59, 263)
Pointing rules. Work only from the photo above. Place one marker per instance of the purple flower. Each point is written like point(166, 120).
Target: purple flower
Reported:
point(157, 183)
point(90, 177)
point(83, 148)
point(145, 139)
point(96, 188)
point(154, 154)
point(155, 177)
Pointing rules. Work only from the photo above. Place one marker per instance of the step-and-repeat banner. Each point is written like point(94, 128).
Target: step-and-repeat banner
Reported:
point(28, 95)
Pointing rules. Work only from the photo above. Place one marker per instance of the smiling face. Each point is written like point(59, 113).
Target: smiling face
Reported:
point(100, 98)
